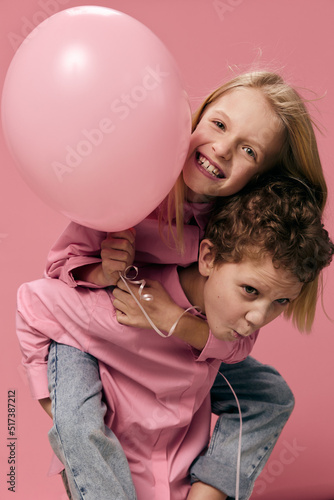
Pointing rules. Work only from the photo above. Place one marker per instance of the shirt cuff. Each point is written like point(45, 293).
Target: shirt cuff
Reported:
point(38, 380)
point(67, 275)
point(227, 352)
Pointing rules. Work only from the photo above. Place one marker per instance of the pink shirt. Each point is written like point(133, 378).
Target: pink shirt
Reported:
point(157, 389)
point(78, 246)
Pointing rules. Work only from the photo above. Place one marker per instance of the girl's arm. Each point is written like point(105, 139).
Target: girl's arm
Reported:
point(76, 257)
point(91, 258)
point(117, 253)
point(76, 248)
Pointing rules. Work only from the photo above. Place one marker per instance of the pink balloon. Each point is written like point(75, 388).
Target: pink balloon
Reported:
point(96, 117)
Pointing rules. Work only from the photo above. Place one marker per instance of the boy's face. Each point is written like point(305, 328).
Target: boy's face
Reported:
point(239, 298)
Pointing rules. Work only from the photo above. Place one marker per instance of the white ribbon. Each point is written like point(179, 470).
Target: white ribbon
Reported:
point(147, 297)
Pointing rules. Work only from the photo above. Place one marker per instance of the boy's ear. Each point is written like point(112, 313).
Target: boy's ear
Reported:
point(206, 258)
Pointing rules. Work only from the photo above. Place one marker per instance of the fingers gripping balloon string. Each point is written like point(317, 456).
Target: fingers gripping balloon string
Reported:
point(124, 277)
point(237, 481)
point(148, 297)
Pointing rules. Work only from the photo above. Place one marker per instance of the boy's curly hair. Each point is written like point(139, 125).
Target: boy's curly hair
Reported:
point(277, 216)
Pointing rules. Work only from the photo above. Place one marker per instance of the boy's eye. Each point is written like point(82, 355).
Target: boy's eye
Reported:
point(250, 290)
point(283, 302)
point(249, 151)
point(219, 124)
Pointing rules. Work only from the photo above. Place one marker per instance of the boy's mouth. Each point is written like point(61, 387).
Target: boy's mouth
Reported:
point(212, 169)
point(237, 335)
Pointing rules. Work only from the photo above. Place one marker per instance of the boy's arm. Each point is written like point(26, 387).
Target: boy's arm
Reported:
point(164, 312)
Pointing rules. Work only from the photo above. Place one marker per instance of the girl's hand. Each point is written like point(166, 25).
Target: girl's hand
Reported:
point(117, 253)
point(162, 310)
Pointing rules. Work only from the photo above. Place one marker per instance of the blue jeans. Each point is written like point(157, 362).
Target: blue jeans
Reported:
point(95, 465)
point(266, 404)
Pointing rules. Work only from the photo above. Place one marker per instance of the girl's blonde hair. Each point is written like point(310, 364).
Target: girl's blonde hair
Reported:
point(299, 158)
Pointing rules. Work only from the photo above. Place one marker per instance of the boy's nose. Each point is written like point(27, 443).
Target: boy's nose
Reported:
point(257, 317)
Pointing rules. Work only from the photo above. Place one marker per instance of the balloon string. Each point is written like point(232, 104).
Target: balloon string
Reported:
point(148, 297)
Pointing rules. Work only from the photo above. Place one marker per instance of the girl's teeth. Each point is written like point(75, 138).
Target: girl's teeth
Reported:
point(207, 165)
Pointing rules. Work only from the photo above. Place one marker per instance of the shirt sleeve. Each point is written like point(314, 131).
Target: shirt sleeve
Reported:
point(48, 310)
point(79, 246)
point(228, 352)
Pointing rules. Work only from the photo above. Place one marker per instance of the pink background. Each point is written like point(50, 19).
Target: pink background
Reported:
point(205, 36)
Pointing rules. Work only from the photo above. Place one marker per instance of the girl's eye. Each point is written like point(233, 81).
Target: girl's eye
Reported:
point(219, 124)
point(283, 302)
point(250, 290)
point(249, 151)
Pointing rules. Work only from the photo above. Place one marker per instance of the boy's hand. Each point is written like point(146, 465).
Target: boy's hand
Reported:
point(162, 310)
point(117, 253)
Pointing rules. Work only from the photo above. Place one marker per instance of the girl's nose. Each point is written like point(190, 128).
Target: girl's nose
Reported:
point(223, 149)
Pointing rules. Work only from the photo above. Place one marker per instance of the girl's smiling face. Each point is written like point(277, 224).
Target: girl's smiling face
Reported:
point(238, 136)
